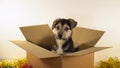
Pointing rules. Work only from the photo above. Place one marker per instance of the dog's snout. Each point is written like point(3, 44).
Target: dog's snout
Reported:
point(60, 36)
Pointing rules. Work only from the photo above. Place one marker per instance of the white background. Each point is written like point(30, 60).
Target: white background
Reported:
point(96, 14)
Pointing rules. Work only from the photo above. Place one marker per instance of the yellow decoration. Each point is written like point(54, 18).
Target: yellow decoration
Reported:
point(110, 63)
point(0, 64)
point(15, 63)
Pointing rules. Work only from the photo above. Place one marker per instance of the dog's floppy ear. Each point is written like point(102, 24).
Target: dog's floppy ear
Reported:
point(73, 23)
point(55, 22)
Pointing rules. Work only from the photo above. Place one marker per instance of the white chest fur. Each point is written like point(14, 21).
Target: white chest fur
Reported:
point(60, 43)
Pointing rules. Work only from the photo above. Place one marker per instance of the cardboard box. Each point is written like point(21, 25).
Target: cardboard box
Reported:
point(40, 38)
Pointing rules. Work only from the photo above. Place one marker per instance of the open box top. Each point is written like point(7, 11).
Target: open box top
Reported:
point(40, 39)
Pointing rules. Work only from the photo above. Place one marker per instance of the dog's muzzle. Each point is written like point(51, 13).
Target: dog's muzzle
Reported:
point(60, 36)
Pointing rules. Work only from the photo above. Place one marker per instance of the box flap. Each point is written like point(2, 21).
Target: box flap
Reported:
point(39, 34)
point(86, 51)
point(35, 50)
point(86, 37)
point(43, 36)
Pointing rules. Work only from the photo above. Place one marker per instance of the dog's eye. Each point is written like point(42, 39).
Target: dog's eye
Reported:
point(58, 27)
point(66, 29)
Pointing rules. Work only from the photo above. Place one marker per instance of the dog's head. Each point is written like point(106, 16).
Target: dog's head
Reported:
point(62, 28)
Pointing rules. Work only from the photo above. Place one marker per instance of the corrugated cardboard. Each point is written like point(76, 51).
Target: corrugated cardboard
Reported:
point(40, 35)
point(40, 38)
point(84, 61)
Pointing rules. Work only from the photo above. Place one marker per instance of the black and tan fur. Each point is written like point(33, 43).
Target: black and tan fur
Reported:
point(62, 29)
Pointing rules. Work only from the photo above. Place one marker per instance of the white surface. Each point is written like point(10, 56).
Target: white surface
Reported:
point(96, 14)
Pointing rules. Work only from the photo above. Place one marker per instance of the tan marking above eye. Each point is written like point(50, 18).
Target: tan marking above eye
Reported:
point(66, 27)
point(58, 26)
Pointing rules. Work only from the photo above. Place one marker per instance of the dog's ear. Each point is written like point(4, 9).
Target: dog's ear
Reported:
point(55, 22)
point(73, 23)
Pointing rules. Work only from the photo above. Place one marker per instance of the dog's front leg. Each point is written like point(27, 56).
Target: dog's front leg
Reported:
point(60, 50)
point(59, 44)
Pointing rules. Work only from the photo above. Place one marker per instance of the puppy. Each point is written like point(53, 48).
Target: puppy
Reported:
point(62, 29)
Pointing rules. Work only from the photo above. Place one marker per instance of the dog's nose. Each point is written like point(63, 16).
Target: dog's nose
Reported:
point(60, 36)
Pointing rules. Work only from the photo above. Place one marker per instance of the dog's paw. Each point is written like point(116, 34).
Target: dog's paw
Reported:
point(60, 51)
point(53, 51)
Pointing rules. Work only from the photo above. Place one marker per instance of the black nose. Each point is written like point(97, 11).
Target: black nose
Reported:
point(60, 36)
